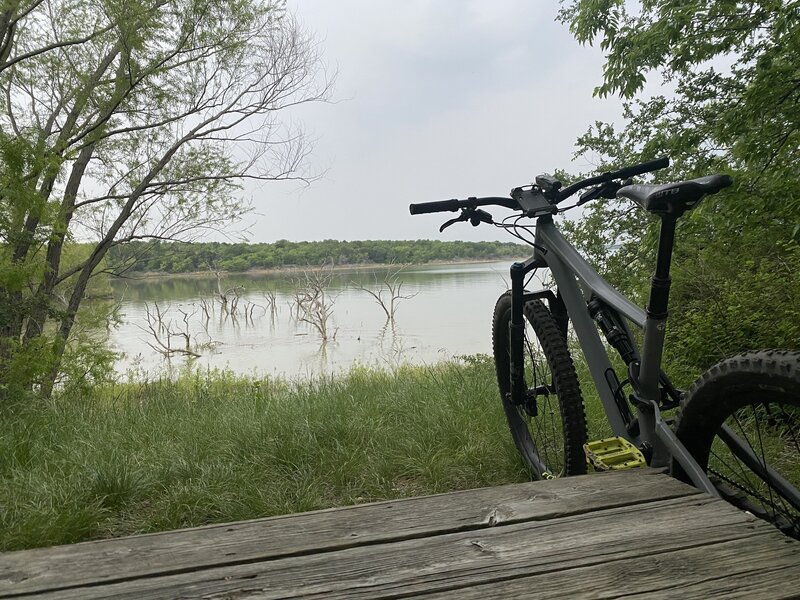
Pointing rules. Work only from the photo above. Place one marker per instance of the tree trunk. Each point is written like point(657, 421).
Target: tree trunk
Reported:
point(99, 252)
point(7, 30)
point(44, 294)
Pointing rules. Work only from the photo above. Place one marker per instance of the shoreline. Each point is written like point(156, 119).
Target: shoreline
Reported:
point(140, 275)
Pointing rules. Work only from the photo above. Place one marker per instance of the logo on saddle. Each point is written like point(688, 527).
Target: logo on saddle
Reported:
point(664, 193)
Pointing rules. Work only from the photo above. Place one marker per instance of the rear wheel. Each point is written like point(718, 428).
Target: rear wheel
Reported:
point(549, 427)
point(743, 414)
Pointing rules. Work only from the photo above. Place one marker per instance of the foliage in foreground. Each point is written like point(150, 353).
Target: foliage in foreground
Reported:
point(143, 457)
point(734, 68)
point(124, 121)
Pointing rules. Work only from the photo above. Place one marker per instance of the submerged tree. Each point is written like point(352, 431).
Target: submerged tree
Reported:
point(388, 292)
point(123, 121)
point(313, 301)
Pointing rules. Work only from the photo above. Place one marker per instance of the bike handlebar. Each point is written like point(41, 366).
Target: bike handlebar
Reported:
point(625, 173)
point(454, 205)
point(432, 207)
point(653, 165)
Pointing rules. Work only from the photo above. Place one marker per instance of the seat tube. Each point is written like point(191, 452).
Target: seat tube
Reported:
point(656, 311)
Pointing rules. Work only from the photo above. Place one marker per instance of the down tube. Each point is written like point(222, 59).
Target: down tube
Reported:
point(593, 350)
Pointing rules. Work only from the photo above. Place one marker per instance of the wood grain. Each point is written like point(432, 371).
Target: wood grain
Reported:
point(459, 560)
point(624, 534)
point(747, 567)
point(194, 549)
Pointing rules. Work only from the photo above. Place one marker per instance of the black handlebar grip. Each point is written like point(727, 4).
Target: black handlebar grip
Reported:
point(653, 165)
point(432, 207)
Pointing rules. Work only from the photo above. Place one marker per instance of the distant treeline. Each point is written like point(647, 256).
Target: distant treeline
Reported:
point(174, 257)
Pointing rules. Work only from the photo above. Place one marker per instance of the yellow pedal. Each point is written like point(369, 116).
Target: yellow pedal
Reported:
point(613, 454)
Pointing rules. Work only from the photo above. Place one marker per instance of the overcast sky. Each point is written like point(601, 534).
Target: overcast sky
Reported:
point(435, 99)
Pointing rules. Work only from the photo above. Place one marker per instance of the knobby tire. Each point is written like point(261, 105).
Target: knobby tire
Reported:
point(757, 394)
point(555, 436)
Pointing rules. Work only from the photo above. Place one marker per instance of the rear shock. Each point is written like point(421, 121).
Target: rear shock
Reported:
point(618, 337)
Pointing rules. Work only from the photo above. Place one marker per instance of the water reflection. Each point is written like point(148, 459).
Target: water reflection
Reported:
point(448, 314)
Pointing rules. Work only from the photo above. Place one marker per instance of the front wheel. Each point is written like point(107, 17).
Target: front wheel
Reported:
point(741, 423)
point(549, 428)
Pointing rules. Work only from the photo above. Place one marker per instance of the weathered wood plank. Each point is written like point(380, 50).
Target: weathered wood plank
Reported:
point(459, 560)
point(742, 568)
point(38, 570)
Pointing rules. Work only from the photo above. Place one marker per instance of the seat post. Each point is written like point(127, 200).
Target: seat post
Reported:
point(655, 324)
point(659, 284)
point(656, 310)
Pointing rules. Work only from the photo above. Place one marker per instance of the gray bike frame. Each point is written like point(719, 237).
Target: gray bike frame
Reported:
point(577, 281)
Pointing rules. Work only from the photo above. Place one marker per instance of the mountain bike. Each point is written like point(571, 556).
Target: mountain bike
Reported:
point(736, 434)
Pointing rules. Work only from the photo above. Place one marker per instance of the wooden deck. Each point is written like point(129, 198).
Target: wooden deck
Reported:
point(635, 533)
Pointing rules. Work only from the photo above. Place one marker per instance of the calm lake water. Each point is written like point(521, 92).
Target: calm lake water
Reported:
point(449, 315)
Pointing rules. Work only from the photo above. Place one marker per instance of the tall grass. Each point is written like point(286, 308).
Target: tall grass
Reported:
point(596, 421)
point(142, 457)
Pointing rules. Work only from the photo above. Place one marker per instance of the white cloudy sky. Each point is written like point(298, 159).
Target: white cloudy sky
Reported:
point(435, 99)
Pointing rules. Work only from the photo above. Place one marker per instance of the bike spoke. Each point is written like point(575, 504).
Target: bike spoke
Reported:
point(541, 441)
point(763, 460)
point(543, 427)
point(770, 500)
point(793, 430)
point(549, 423)
point(786, 510)
point(732, 472)
point(554, 464)
point(744, 470)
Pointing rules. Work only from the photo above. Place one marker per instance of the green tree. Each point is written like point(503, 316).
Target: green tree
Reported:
point(123, 121)
point(732, 75)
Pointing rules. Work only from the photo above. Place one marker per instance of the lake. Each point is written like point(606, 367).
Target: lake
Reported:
point(447, 313)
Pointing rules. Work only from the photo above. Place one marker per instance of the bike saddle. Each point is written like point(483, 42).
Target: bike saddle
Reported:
point(674, 198)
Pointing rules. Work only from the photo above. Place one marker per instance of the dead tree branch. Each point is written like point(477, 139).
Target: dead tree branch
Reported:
point(388, 292)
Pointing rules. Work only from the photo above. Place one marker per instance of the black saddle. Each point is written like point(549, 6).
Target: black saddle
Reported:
point(674, 198)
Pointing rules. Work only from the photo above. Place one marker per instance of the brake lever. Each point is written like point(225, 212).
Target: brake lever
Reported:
point(589, 195)
point(451, 222)
point(606, 190)
point(475, 216)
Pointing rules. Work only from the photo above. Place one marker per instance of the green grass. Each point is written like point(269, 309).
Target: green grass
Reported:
point(596, 422)
point(143, 457)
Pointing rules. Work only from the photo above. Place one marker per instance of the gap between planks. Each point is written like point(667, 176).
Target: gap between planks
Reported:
point(191, 550)
point(457, 559)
